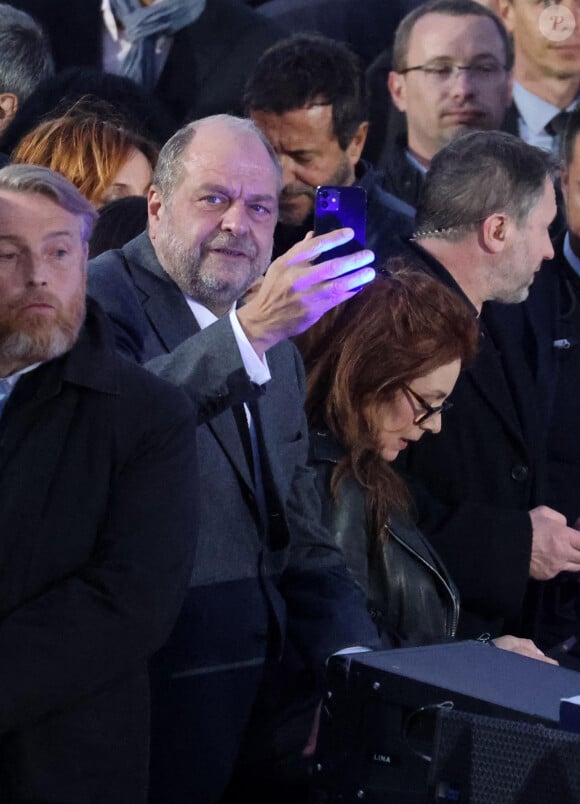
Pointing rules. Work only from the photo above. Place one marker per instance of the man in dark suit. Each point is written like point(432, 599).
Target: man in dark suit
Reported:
point(482, 228)
point(264, 570)
point(97, 514)
point(553, 312)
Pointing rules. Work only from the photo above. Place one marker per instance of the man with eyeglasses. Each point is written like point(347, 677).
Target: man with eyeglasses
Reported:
point(451, 73)
point(482, 229)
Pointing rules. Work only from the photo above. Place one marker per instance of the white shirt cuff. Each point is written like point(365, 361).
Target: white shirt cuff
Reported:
point(256, 367)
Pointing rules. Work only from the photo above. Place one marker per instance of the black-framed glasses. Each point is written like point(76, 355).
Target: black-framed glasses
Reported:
point(443, 70)
point(429, 410)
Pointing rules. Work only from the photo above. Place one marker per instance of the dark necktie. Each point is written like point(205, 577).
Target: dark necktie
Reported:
point(244, 431)
point(557, 124)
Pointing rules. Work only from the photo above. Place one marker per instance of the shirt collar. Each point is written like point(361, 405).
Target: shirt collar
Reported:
point(203, 316)
point(12, 379)
point(417, 165)
point(535, 111)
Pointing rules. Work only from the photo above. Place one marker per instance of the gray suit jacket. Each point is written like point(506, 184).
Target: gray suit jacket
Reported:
point(257, 578)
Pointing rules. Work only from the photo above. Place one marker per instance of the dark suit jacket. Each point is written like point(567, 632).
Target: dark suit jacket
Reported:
point(553, 314)
point(97, 529)
point(485, 466)
point(552, 307)
point(209, 62)
point(257, 578)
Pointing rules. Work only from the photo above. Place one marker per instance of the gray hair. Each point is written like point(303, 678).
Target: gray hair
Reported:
point(35, 179)
point(476, 175)
point(453, 8)
point(25, 53)
point(169, 170)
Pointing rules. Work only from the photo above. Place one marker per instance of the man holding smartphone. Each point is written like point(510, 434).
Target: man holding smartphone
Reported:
point(265, 571)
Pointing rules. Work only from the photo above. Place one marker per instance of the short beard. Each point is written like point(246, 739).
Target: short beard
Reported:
point(185, 266)
point(342, 177)
point(40, 339)
point(515, 296)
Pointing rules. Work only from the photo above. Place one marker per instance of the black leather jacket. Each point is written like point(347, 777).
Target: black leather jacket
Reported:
point(410, 595)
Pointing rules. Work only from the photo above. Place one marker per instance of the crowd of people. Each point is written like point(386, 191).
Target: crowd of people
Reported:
point(228, 454)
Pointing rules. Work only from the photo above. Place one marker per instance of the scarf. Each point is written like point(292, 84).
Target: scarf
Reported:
point(144, 24)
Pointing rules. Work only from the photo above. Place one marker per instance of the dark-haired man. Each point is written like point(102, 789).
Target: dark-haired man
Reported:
point(451, 72)
point(482, 228)
point(307, 94)
point(25, 60)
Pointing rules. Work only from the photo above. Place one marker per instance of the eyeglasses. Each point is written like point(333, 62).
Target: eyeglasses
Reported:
point(442, 70)
point(430, 410)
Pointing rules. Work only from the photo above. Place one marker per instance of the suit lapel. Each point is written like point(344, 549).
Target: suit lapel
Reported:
point(267, 434)
point(33, 433)
point(225, 431)
point(487, 374)
point(162, 301)
point(505, 373)
point(173, 322)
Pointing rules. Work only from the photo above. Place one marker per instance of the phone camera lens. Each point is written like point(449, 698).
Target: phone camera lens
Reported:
point(324, 205)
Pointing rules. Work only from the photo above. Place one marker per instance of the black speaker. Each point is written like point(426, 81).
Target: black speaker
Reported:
point(380, 710)
point(489, 760)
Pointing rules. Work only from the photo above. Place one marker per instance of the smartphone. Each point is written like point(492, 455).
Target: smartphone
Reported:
point(335, 208)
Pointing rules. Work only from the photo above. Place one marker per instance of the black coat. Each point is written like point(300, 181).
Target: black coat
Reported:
point(97, 531)
point(410, 595)
point(399, 176)
point(483, 472)
point(553, 311)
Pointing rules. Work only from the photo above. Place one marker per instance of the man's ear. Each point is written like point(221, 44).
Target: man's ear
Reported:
point(355, 146)
point(565, 180)
point(155, 209)
point(505, 11)
point(494, 231)
point(8, 108)
point(398, 89)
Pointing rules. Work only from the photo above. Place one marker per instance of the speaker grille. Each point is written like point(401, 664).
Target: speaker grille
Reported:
point(489, 760)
